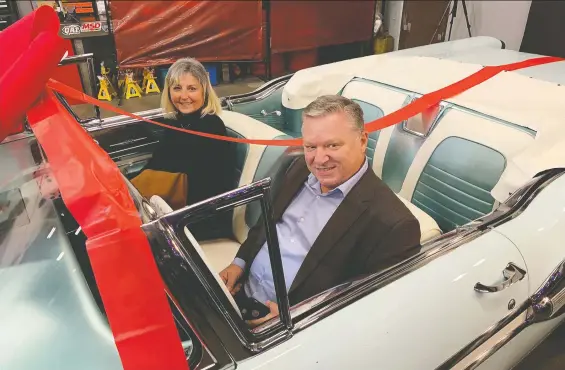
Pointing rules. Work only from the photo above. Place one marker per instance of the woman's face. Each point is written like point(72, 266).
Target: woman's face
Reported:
point(188, 94)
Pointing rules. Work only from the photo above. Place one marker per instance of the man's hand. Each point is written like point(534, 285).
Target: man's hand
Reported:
point(230, 275)
point(273, 307)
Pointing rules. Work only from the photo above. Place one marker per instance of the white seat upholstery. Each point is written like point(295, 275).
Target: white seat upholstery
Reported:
point(220, 252)
point(429, 228)
point(215, 272)
point(160, 206)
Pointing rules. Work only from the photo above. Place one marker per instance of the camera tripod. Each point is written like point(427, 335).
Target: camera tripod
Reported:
point(453, 14)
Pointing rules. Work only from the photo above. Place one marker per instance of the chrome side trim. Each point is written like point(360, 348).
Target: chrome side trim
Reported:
point(118, 121)
point(128, 141)
point(260, 93)
point(132, 147)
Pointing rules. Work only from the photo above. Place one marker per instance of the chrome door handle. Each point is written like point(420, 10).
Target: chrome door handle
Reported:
point(512, 274)
point(276, 112)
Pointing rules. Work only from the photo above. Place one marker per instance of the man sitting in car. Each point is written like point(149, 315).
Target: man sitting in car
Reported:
point(335, 218)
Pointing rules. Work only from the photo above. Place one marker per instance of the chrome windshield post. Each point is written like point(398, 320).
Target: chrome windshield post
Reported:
point(181, 268)
point(275, 257)
point(89, 60)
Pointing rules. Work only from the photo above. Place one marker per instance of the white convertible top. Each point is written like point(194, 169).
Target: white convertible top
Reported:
point(532, 97)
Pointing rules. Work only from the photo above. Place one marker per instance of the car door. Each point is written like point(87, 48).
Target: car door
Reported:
point(263, 104)
point(419, 320)
point(538, 232)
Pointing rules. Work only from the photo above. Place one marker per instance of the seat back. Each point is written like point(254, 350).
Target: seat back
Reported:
point(162, 208)
point(448, 172)
point(240, 151)
point(209, 266)
point(429, 228)
point(259, 161)
point(458, 165)
point(377, 101)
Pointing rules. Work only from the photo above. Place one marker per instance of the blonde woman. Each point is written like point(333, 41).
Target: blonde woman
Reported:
point(189, 102)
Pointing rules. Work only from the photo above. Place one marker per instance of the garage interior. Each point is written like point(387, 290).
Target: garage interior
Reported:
point(276, 38)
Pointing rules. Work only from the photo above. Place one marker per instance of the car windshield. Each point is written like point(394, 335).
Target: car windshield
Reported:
point(47, 307)
point(48, 295)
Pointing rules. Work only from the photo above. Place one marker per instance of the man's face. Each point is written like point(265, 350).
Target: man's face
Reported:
point(334, 149)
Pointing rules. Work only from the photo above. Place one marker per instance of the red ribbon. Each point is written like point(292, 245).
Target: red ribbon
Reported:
point(127, 277)
point(31, 50)
point(425, 104)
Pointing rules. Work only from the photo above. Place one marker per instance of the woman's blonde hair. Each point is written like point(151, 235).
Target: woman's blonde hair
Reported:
point(182, 66)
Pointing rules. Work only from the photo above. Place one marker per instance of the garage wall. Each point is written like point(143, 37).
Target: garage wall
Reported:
point(503, 19)
point(545, 29)
point(393, 19)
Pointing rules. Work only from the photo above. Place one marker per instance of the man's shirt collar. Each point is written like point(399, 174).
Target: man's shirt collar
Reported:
point(344, 188)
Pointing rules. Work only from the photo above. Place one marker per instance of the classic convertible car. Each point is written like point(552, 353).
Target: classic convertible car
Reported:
point(483, 177)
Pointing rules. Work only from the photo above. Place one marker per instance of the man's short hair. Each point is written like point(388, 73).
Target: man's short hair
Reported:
point(328, 104)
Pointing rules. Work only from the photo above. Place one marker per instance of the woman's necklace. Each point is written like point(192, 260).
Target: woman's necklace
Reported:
point(185, 122)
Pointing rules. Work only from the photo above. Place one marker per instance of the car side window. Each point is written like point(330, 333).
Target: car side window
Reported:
point(422, 123)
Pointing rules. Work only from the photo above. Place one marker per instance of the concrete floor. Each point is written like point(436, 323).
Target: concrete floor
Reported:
point(550, 355)
point(152, 101)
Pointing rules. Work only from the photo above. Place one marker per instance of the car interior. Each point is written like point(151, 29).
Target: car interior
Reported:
point(443, 172)
point(444, 176)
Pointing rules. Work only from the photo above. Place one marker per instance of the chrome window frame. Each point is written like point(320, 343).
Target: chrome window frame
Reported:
point(258, 94)
point(443, 107)
point(169, 246)
point(411, 95)
point(89, 60)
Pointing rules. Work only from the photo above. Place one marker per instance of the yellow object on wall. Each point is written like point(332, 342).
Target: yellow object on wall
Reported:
point(383, 44)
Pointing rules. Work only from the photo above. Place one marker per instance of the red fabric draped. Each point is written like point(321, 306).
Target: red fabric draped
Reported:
point(150, 33)
point(31, 50)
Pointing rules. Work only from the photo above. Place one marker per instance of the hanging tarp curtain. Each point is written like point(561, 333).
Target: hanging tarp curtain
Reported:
point(150, 33)
point(302, 25)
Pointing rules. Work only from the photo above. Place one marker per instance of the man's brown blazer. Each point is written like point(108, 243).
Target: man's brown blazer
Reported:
point(369, 231)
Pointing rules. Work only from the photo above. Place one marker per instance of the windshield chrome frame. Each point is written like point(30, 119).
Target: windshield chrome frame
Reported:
point(176, 262)
point(89, 60)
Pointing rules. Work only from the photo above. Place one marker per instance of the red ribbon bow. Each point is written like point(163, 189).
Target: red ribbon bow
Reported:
point(92, 188)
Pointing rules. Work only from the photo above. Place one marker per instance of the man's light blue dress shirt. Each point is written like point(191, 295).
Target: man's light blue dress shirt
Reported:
point(299, 227)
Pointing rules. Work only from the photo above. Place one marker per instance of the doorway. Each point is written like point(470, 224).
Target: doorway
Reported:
point(420, 19)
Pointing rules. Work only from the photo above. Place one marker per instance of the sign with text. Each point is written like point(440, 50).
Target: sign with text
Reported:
point(83, 29)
